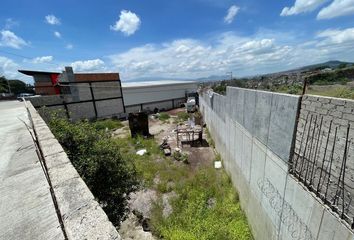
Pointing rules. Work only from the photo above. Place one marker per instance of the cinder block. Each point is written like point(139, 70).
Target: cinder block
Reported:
point(90, 222)
point(50, 147)
point(57, 159)
point(72, 195)
point(61, 173)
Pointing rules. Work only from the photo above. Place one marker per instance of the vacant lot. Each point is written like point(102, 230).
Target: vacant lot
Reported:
point(180, 200)
point(336, 90)
point(151, 196)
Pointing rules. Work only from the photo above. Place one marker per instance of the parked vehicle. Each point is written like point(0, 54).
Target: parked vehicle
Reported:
point(24, 95)
point(191, 104)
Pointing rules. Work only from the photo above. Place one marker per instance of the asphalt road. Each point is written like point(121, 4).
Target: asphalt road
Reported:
point(26, 207)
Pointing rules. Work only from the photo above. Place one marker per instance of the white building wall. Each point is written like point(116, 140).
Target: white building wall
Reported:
point(134, 95)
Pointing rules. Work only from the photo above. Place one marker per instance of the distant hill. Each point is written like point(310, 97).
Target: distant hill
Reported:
point(329, 64)
point(149, 79)
point(213, 78)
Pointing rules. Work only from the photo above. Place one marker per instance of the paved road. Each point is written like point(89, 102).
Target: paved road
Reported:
point(26, 206)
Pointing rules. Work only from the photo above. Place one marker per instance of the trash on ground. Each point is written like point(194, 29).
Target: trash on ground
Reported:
point(217, 164)
point(167, 151)
point(141, 152)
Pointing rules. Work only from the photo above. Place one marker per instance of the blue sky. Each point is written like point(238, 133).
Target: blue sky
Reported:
point(175, 38)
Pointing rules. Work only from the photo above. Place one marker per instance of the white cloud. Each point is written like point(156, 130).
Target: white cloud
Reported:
point(10, 39)
point(8, 68)
point(337, 8)
point(44, 59)
point(191, 58)
point(231, 13)
point(57, 34)
point(302, 6)
point(128, 23)
point(10, 23)
point(88, 65)
point(336, 37)
point(69, 46)
point(52, 20)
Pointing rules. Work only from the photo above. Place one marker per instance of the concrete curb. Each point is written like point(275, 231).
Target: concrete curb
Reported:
point(81, 214)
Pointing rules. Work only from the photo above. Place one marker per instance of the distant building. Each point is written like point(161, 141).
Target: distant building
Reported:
point(156, 95)
point(81, 95)
point(100, 95)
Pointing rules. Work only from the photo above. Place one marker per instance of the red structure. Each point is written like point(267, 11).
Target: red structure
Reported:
point(48, 83)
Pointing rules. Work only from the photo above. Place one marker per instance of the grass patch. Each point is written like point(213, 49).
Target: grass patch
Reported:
point(182, 116)
point(206, 206)
point(164, 116)
point(151, 164)
point(110, 124)
point(332, 91)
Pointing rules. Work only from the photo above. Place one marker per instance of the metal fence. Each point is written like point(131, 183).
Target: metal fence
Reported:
point(323, 162)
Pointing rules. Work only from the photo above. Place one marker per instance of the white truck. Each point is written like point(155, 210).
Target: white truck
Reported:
point(191, 104)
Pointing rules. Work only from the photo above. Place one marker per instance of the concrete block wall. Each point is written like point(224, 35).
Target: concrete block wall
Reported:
point(82, 216)
point(339, 114)
point(253, 132)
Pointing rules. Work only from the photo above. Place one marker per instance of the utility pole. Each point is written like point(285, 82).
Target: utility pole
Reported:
point(230, 73)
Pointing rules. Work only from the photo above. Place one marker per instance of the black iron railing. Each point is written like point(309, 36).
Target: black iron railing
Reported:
point(323, 162)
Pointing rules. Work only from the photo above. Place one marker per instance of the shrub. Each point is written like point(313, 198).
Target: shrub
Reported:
point(164, 116)
point(98, 160)
point(182, 116)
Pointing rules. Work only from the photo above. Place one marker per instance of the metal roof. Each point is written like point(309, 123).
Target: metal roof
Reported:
point(155, 83)
point(31, 73)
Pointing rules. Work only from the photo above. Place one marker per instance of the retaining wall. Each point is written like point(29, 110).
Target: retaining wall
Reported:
point(253, 131)
point(82, 216)
point(320, 148)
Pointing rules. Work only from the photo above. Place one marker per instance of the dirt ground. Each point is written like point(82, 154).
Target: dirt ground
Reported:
point(199, 153)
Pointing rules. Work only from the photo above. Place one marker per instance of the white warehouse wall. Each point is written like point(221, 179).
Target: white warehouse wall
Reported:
point(149, 92)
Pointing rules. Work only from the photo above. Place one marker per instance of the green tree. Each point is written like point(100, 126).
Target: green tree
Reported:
point(97, 158)
point(342, 65)
point(16, 86)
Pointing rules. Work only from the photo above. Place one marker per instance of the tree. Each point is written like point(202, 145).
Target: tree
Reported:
point(16, 86)
point(342, 65)
point(97, 158)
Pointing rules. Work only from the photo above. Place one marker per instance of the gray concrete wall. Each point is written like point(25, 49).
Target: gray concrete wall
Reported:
point(253, 132)
point(82, 216)
point(86, 110)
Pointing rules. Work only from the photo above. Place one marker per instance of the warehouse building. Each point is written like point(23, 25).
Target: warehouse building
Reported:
point(103, 95)
point(156, 95)
point(79, 95)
